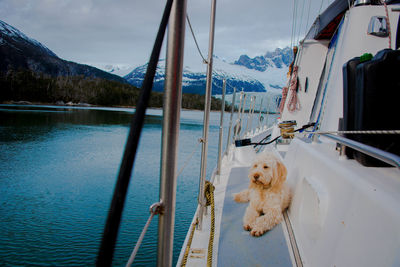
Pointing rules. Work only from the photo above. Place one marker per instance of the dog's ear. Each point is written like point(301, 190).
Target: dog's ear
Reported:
point(279, 175)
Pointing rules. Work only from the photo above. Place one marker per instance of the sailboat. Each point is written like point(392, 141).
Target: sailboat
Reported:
point(337, 135)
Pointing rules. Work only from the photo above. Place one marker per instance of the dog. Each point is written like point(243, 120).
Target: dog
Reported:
point(267, 193)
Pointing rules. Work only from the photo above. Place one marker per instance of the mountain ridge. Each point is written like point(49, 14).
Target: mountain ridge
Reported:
point(18, 51)
point(270, 74)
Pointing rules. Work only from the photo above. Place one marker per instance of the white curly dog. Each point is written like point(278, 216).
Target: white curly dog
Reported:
point(268, 194)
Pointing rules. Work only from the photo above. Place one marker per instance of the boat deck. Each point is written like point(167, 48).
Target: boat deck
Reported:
point(236, 246)
point(233, 246)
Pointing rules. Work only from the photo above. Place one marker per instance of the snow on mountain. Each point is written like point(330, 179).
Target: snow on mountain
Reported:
point(17, 35)
point(194, 77)
point(20, 52)
point(117, 69)
point(280, 58)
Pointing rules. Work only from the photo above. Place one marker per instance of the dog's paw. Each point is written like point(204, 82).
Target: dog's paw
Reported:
point(236, 197)
point(257, 232)
point(246, 227)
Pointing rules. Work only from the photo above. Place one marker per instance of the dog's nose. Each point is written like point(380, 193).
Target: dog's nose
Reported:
point(256, 176)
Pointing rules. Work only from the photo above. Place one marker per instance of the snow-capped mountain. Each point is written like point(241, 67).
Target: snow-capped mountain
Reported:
point(20, 52)
point(241, 77)
point(117, 69)
point(280, 58)
point(17, 36)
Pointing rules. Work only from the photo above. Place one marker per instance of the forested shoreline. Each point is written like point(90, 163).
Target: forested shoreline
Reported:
point(25, 85)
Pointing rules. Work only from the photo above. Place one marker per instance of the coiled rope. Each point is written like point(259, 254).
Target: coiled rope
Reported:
point(187, 249)
point(294, 103)
point(284, 96)
point(209, 194)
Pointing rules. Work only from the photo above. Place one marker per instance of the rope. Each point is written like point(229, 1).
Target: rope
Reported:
point(188, 159)
point(284, 95)
point(209, 194)
point(294, 103)
point(187, 249)
point(359, 132)
point(388, 24)
point(110, 233)
point(195, 40)
point(154, 210)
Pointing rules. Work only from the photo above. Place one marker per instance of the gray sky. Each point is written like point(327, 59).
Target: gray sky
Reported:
point(123, 31)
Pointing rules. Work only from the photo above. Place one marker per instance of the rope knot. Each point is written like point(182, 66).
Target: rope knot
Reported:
point(156, 208)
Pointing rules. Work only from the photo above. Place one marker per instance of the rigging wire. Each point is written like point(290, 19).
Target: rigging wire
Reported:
point(301, 21)
point(308, 16)
point(295, 4)
point(320, 8)
point(293, 23)
point(195, 40)
point(111, 228)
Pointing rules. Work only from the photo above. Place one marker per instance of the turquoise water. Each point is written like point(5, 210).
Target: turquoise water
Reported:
point(57, 173)
point(58, 167)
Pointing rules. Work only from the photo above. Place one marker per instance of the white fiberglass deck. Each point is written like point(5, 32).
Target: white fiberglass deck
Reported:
point(236, 246)
point(233, 246)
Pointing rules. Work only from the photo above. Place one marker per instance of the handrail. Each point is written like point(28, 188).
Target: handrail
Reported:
point(221, 122)
point(230, 121)
point(379, 154)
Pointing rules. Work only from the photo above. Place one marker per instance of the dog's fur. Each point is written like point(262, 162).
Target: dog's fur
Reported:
point(268, 194)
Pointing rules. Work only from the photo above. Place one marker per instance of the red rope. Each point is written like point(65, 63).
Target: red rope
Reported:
point(284, 95)
point(294, 103)
point(388, 24)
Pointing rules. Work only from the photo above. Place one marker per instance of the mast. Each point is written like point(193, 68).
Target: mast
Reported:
point(206, 122)
point(170, 133)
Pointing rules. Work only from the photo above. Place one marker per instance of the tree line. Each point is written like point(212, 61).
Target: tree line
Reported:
point(25, 85)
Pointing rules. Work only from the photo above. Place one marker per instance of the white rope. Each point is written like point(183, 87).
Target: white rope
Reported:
point(358, 132)
point(188, 159)
point(195, 40)
point(154, 209)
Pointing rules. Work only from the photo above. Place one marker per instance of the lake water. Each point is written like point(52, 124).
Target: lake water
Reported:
point(58, 167)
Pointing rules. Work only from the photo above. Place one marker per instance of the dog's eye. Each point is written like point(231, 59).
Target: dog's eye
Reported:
point(255, 165)
point(265, 167)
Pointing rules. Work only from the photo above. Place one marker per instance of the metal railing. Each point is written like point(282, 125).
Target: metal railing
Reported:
point(376, 153)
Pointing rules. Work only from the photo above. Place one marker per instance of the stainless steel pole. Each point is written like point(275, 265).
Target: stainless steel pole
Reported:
point(249, 114)
point(242, 115)
point(228, 142)
point(239, 120)
point(267, 111)
point(259, 114)
point(206, 122)
point(170, 133)
point(221, 123)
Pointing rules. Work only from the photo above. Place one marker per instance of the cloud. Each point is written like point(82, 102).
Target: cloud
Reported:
point(123, 31)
